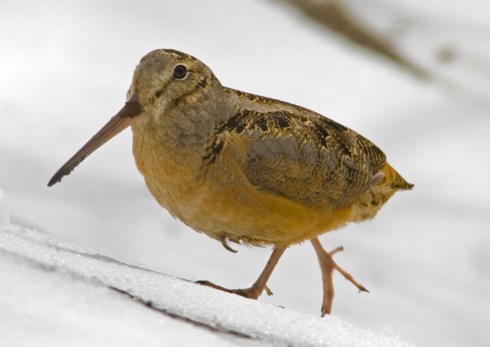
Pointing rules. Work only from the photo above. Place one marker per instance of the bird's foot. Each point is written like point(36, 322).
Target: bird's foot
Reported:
point(344, 273)
point(260, 284)
point(250, 293)
point(328, 265)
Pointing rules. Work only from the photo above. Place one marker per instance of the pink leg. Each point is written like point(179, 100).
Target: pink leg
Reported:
point(327, 265)
point(260, 284)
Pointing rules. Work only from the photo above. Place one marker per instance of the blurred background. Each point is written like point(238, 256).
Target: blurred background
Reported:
point(412, 76)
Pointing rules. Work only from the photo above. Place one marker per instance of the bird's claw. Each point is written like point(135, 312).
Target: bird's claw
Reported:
point(249, 293)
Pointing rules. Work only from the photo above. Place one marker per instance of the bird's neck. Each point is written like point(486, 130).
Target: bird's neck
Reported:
point(182, 133)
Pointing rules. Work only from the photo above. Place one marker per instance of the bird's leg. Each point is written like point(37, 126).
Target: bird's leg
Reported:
point(260, 284)
point(327, 265)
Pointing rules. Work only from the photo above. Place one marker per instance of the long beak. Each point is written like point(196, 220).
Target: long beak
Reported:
point(123, 119)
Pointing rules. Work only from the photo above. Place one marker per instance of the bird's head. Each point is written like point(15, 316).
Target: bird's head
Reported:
point(164, 80)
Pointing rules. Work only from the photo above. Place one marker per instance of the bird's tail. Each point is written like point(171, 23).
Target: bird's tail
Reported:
point(394, 179)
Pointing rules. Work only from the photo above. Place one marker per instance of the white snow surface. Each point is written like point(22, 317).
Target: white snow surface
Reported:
point(65, 68)
point(4, 209)
point(54, 294)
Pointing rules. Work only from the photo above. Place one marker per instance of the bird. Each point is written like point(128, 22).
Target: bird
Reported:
point(243, 168)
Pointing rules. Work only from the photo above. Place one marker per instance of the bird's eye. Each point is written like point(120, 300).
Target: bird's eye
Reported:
point(180, 72)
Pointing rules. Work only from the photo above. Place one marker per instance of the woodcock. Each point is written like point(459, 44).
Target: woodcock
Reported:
point(245, 168)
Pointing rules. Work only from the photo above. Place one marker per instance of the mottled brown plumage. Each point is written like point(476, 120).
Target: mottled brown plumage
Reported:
point(245, 168)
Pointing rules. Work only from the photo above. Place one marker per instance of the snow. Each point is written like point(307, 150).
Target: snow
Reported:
point(90, 299)
point(4, 209)
point(65, 69)
point(446, 38)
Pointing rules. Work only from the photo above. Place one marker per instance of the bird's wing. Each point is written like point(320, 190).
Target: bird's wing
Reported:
point(304, 156)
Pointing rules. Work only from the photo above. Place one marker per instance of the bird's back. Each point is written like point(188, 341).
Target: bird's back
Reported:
point(302, 174)
point(306, 157)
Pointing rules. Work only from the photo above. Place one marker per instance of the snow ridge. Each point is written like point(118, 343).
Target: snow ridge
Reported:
point(201, 313)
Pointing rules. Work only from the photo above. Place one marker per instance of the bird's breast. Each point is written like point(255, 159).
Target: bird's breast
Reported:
point(218, 199)
point(171, 172)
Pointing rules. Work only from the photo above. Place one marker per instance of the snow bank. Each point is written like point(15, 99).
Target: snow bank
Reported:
point(53, 292)
point(4, 209)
